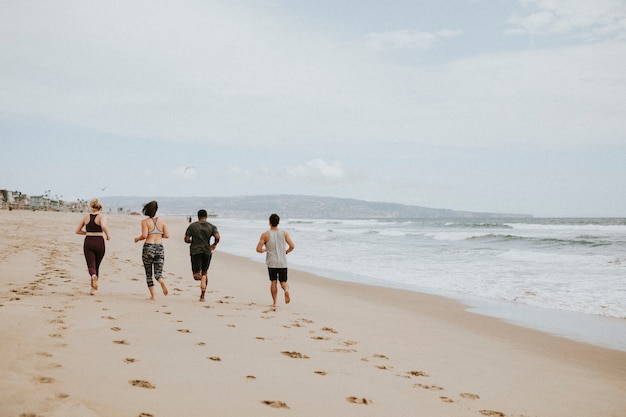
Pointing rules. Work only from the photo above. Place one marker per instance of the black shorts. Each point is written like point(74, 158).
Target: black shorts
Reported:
point(279, 274)
point(200, 262)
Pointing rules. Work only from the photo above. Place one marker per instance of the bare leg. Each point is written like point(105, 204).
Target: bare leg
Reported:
point(94, 284)
point(203, 284)
point(163, 287)
point(286, 290)
point(151, 289)
point(274, 292)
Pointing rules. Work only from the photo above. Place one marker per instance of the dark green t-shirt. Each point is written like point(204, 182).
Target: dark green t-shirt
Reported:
point(200, 233)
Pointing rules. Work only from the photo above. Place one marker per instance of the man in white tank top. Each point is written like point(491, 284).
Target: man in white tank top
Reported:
point(276, 244)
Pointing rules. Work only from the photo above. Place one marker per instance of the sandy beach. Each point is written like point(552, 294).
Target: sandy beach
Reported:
point(338, 349)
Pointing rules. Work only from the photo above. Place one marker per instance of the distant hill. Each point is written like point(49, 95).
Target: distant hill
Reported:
point(291, 206)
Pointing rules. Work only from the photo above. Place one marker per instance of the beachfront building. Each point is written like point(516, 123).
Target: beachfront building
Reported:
point(6, 198)
point(38, 202)
point(13, 200)
point(79, 206)
point(16, 200)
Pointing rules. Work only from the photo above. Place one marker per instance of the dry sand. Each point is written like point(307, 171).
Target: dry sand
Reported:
point(338, 349)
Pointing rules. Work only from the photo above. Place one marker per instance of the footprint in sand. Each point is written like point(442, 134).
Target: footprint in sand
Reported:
point(322, 373)
point(470, 396)
point(357, 400)
point(130, 360)
point(54, 366)
point(250, 377)
point(329, 329)
point(200, 344)
point(342, 350)
point(320, 338)
point(115, 329)
point(295, 355)
point(45, 380)
point(215, 358)
point(145, 415)
point(121, 342)
point(429, 387)
point(446, 399)
point(418, 373)
point(275, 404)
point(141, 383)
point(184, 330)
point(491, 413)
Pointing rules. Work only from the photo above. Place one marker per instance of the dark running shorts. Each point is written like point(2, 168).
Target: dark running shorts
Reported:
point(200, 262)
point(279, 274)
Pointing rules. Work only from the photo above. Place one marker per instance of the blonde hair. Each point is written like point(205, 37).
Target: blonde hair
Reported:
point(95, 204)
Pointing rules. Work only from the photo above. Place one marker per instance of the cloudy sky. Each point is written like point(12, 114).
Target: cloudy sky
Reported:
point(481, 105)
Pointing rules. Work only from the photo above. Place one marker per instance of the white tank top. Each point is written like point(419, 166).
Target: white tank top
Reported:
point(275, 257)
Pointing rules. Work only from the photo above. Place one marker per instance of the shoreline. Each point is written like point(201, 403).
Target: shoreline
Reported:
point(597, 330)
point(338, 348)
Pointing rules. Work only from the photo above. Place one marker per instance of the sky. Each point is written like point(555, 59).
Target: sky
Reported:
point(505, 106)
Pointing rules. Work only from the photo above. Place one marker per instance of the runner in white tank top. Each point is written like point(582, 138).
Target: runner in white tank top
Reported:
point(276, 244)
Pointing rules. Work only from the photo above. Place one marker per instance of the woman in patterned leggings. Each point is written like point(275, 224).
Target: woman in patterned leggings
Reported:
point(153, 231)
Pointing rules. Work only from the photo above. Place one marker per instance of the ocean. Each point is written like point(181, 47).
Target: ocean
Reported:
point(563, 276)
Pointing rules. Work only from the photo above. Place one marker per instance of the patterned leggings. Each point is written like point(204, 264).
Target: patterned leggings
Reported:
point(153, 257)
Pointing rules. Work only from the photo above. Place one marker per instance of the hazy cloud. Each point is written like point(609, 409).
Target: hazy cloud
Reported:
point(598, 19)
point(407, 39)
point(317, 168)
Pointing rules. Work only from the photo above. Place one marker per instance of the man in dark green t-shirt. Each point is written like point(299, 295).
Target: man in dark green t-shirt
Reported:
point(199, 235)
